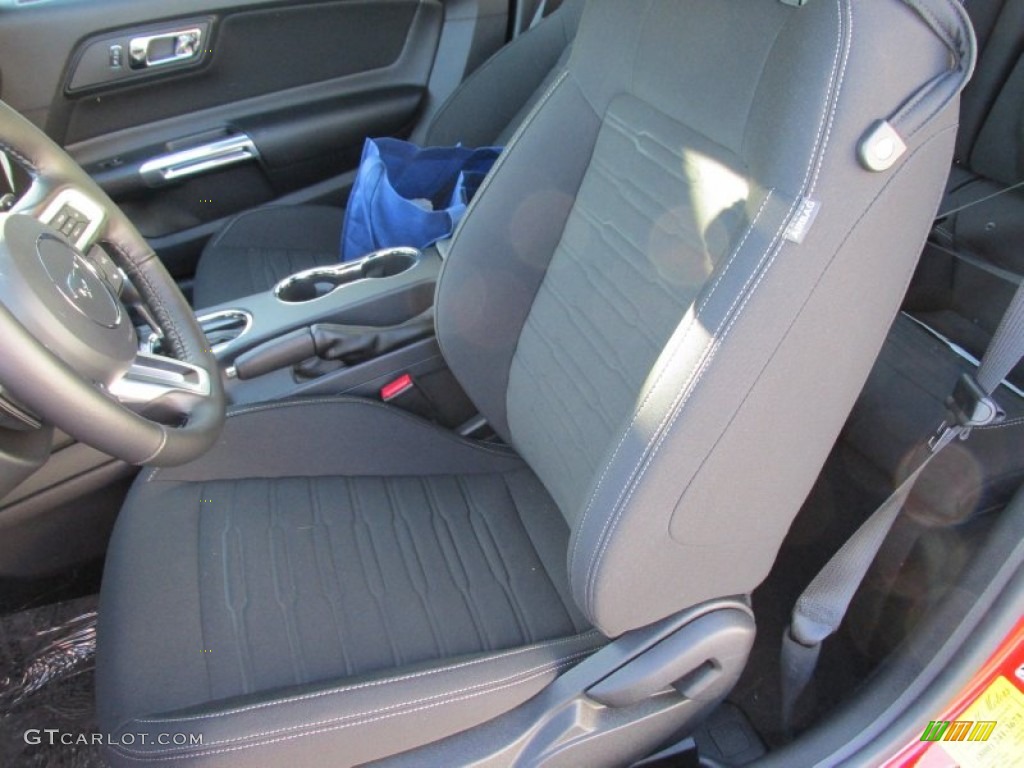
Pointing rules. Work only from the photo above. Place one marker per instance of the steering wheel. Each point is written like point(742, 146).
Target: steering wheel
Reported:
point(69, 353)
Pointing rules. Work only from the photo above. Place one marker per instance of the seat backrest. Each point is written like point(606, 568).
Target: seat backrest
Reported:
point(1000, 30)
point(670, 290)
point(990, 143)
point(489, 104)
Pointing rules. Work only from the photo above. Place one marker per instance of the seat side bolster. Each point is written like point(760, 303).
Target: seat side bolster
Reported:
point(734, 495)
point(486, 103)
point(378, 439)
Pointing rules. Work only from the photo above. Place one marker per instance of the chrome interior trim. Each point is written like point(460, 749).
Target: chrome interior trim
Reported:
point(340, 273)
point(185, 44)
point(195, 160)
point(153, 376)
point(207, 320)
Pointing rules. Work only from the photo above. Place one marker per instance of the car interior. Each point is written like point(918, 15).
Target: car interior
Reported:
point(545, 492)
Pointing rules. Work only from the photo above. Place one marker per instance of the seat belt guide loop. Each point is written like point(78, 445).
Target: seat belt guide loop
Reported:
point(881, 147)
point(970, 406)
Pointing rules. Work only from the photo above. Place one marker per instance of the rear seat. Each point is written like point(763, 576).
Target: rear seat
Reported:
point(970, 268)
point(976, 256)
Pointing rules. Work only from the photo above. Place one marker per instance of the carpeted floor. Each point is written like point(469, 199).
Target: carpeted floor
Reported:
point(46, 682)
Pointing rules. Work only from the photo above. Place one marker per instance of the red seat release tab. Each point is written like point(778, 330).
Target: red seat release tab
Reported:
point(397, 387)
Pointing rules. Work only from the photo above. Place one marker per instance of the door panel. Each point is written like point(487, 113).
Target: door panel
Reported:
point(299, 84)
point(253, 53)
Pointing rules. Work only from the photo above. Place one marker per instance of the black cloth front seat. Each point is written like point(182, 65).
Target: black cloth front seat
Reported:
point(640, 304)
point(258, 248)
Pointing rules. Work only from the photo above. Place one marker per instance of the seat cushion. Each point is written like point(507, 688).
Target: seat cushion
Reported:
point(258, 248)
point(384, 570)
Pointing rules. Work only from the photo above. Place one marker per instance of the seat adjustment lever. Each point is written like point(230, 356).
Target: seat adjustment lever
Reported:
point(702, 660)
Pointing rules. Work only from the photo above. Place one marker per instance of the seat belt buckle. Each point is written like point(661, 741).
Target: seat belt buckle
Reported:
point(970, 406)
point(404, 393)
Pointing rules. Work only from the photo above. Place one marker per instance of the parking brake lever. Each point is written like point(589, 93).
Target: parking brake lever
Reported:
point(349, 344)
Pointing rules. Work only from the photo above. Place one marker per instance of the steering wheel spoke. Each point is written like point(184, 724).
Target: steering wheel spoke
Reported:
point(66, 209)
point(157, 380)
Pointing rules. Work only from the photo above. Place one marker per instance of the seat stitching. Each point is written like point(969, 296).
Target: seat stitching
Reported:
point(136, 271)
point(1003, 424)
point(775, 246)
point(819, 160)
point(650, 393)
point(373, 683)
point(513, 143)
point(680, 401)
point(640, 409)
point(677, 408)
point(503, 157)
point(836, 79)
point(20, 156)
point(359, 718)
point(905, 284)
point(199, 580)
point(140, 756)
point(510, 494)
point(390, 409)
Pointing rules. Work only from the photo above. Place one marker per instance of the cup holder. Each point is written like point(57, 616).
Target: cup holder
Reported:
point(320, 281)
point(225, 326)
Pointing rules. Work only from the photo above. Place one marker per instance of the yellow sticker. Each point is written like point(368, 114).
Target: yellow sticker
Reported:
point(1001, 703)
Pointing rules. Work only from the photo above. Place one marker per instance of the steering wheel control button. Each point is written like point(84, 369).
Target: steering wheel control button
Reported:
point(70, 222)
point(110, 271)
point(75, 216)
point(78, 281)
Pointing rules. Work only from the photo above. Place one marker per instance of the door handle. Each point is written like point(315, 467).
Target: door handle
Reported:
point(194, 160)
point(165, 48)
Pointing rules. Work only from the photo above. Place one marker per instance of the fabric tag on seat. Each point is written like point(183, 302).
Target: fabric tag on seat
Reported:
point(801, 224)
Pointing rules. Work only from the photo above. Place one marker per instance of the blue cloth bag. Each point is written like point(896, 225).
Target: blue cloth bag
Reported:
point(387, 206)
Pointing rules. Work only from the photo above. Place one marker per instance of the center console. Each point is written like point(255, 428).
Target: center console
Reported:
point(348, 328)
